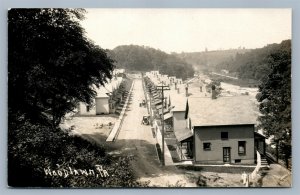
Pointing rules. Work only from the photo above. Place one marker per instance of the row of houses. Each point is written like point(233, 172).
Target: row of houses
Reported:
point(109, 98)
point(208, 129)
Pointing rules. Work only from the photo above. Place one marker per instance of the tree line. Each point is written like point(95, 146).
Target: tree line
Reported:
point(275, 100)
point(209, 60)
point(253, 64)
point(141, 58)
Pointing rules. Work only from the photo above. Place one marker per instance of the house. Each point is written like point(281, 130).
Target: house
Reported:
point(220, 131)
point(118, 71)
point(172, 79)
point(209, 129)
point(100, 104)
point(178, 104)
point(106, 100)
point(179, 81)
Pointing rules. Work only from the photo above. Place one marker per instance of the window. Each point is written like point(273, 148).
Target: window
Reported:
point(242, 147)
point(206, 146)
point(87, 108)
point(224, 135)
point(237, 161)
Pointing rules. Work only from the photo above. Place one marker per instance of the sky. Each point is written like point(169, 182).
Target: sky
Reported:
point(188, 30)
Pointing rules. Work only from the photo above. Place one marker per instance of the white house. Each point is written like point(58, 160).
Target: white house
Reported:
point(104, 102)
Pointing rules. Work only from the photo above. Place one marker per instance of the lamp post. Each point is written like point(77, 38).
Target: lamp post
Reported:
point(162, 88)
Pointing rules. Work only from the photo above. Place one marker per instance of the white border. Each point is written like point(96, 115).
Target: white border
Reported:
point(294, 4)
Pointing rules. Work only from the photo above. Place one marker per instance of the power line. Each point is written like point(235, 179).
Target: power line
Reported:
point(162, 88)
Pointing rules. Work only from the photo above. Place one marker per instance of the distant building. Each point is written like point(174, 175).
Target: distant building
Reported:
point(106, 100)
point(100, 104)
point(119, 73)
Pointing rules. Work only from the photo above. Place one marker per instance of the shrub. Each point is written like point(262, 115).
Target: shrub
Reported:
point(38, 157)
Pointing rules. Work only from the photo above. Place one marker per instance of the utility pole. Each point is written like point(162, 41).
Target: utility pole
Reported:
point(162, 88)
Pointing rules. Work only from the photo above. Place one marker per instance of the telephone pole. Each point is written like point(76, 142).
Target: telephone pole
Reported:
point(162, 88)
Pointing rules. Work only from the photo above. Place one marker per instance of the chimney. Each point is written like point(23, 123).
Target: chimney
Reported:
point(200, 88)
point(213, 92)
point(186, 91)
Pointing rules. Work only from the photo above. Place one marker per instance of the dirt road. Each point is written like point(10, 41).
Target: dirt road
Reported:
point(137, 140)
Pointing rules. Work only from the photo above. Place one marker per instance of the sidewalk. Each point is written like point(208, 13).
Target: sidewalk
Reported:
point(118, 124)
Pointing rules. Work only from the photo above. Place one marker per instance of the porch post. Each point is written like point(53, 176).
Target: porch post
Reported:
point(181, 151)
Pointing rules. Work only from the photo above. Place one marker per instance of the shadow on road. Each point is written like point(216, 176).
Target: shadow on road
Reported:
point(145, 161)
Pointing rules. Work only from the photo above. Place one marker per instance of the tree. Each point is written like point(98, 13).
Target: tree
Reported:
point(51, 64)
point(51, 67)
point(252, 64)
point(275, 101)
point(142, 58)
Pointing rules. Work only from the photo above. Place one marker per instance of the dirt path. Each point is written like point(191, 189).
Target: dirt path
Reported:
point(276, 176)
point(137, 140)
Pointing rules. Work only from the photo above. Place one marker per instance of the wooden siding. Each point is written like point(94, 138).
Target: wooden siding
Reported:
point(212, 134)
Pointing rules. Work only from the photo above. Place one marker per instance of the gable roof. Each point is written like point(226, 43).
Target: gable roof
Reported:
point(177, 100)
point(182, 134)
point(167, 116)
point(179, 103)
point(108, 88)
point(222, 111)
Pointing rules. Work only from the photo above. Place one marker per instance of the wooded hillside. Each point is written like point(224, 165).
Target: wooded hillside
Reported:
point(254, 64)
point(243, 63)
point(209, 60)
point(141, 58)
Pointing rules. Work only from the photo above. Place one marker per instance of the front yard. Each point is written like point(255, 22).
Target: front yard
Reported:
point(94, 128)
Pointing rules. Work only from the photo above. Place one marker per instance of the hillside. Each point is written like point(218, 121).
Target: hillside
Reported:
point(248, 65)
point(209, 60)
point(141, 58)
point(255, 63)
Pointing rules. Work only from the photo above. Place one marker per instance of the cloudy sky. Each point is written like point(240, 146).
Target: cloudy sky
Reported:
point(188, 30)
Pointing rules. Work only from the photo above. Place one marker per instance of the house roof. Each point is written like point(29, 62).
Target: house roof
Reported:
point(157, 101)
point(179, 102)
point(258, 135)
point(182, 134)
point(158, 106)
point(160, 111)
point(167, 116)
point(109, 87)
point(156, 96)
point(101, 92)
point(222, 111)
point(116, 71)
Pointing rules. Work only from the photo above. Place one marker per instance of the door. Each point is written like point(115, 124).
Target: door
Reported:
point(226, 154)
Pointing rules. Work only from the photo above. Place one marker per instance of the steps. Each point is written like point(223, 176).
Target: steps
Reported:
point(264, 162)
point(120, 107)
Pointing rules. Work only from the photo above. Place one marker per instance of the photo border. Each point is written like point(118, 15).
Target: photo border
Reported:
point(294, 4)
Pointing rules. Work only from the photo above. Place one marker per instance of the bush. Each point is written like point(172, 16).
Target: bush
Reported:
point(38, 157)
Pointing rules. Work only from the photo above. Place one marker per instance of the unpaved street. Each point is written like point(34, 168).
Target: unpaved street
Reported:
point(137, 140)
point(134, 139)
